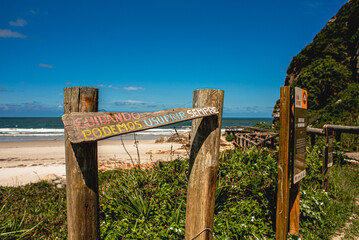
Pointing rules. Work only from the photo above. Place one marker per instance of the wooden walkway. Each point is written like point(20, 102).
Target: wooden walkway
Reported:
point(251, 136)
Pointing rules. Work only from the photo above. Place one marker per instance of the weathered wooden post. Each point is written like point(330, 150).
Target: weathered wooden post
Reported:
point(312, 139)
point(283, 165)
point(292, 151)
point(325, 170)
point(81, 170)
point(328, 158)
point(203, 166)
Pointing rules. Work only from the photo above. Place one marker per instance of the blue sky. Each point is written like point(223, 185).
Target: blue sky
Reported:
point(150, 55)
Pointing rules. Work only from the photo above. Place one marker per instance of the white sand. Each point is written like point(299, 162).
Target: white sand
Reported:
point(26, 162)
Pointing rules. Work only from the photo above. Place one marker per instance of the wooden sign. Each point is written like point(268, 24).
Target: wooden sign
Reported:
point(93, 126)
point(300, 133)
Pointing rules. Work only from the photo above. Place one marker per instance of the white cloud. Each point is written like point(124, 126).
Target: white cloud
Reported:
point(18, 23)
point(28, 106)
point(133, 88)
point(7, 33)
point(108, 86)
point(4, 107)
point(45, 65)
point(129, 102)
point(34, 12)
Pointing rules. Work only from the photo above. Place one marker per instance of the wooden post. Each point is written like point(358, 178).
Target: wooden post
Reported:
point(294, 209)
point(283, 165)
point(203, 166)
point(337, 136)
point(325, 170)
point(312, 140)
point(81, 171)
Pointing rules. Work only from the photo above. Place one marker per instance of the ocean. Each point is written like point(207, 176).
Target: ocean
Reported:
point(44, 129)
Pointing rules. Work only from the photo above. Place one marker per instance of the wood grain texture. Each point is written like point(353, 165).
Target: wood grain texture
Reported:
point(294, 209)
point(283, 165)
point(89, 126)
point(81, 171)
point(203, 166)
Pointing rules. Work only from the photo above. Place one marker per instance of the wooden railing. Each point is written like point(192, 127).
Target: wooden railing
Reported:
point(252, 136)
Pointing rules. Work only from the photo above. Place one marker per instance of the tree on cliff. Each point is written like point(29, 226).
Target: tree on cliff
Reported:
point(329, 69)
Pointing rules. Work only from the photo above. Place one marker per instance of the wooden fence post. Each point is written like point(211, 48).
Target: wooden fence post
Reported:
point(81, 171)
point(201, 191)
point(325, 169)
point(283, 165)
point(312, 140)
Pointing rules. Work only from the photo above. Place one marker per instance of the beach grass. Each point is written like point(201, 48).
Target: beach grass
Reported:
point(150, 203)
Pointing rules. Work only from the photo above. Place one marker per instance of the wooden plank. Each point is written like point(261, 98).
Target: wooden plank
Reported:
point(203, 166)
point(81, 171)
point(87, 127)
point(283, 165)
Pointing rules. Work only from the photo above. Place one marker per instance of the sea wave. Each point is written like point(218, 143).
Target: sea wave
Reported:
point(8, 132)
point(48, 132)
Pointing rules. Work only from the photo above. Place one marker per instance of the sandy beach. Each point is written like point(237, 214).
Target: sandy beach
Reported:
point(30, 161)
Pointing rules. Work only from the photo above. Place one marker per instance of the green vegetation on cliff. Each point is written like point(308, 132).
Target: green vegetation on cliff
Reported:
point(329, 69)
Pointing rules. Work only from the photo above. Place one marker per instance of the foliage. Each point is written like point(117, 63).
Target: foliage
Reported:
point(342, 111)
point(144, 204)
point(327, 68)
point(36, 211)
point(322, 213)
point(229, 137)
point(246, 194)
point(324, 78)
point(264, 126)
point(151, 203)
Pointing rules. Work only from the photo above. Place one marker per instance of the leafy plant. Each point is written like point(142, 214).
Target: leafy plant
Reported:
point(229, 138)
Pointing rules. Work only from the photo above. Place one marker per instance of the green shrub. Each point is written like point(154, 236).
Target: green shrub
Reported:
point(229, 138)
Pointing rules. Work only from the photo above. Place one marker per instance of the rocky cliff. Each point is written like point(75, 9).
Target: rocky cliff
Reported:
point(329, 69)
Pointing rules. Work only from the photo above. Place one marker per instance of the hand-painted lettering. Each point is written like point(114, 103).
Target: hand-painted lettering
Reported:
point(106, 131)
point(126, 116)
point(123, 125)
point(138, 124)
point(131, 126)
point(118, 117)
point(200, 111)
point(87, 122)
point(114, 131)
point(99, 132)
point(166, 117)
point(138, 116)
point(161, 121)
point(95, 126)
point(104, 119)
point(77, 123)
point(154, 120)
point(183, 116)
point(96, 121)
point(173, 117)
point(149, 124)
point(190, 112)
point(109, 119)
point(86, 133)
